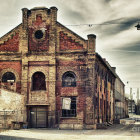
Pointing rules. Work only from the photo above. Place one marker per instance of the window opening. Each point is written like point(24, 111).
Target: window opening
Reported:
point(38, 81)
point(69, 107)
point(69, 79)
point(8, 77)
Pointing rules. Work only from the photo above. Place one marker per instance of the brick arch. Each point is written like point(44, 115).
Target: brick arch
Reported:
point(66, 69)
point(38, 81)
point(10, 70)
point(69, 79)
point(38, 70)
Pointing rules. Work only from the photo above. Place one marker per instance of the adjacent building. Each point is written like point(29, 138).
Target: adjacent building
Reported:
point(119, 98)
point(65, 83)
point(131, 106)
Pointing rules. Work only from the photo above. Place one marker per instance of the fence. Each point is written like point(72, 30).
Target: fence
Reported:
point(36, 119)
point(9, 118)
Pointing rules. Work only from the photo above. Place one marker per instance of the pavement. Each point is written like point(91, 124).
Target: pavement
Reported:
point(114, 132)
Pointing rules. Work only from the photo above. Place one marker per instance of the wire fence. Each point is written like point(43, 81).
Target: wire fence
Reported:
point(21, 119)
point(11, 119)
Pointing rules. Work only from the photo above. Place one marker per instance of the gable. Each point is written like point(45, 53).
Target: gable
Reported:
point(10, 41)
point(68, 40)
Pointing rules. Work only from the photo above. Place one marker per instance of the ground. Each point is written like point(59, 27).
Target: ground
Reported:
point(114, 132)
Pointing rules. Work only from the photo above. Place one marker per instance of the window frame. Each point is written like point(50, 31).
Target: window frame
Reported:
point(72, 113)
point(6, 81)
point(33, 84)
point(73, 84)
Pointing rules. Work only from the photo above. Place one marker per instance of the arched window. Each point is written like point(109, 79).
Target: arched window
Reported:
point(8, 77)
point(69, 79)
point(38, 81)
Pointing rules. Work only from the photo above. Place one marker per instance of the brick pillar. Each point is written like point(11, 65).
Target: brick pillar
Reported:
point(52, 67)
point(24, 50)
point(90, 94)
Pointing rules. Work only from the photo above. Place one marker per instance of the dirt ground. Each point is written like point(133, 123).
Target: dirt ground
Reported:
point(114, 132)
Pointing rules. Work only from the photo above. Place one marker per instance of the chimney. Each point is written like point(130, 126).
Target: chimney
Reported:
point(114, 69)
point(54, 14)
point(91, 42)
point(24, 17)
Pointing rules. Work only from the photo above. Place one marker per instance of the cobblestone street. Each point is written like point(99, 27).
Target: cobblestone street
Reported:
point(115, 132)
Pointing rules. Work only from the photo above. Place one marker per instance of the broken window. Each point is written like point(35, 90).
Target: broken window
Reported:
point(38, 81)
point(69, 107)
point(69, 79)
point(8, 77)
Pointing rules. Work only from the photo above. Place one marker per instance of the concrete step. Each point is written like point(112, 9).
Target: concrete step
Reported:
point(109, 123)
point(101, 126)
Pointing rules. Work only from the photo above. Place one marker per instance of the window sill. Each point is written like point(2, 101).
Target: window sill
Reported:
point(68, 117)
point(37, 90)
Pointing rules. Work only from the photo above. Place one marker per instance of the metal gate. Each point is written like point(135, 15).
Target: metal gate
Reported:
point(38, 117)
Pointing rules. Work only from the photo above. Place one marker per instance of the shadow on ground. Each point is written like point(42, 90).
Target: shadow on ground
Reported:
point(15, 138)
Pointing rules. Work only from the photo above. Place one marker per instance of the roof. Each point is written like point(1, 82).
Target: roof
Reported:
point(59, 24)
point(106, 64)
point(11, 31)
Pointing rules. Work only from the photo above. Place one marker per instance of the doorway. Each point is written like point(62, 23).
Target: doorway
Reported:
point(38, 117)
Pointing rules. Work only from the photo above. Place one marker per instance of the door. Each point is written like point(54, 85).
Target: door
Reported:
point(38, 117)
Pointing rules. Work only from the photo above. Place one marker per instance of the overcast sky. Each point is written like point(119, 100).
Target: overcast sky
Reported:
point(112, 21)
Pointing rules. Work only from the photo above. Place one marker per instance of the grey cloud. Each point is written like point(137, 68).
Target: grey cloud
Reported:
point(74, 17)
point(134, 47)
point(107, 0)
point(112, 27)
point(118, 25)
point(75, 11)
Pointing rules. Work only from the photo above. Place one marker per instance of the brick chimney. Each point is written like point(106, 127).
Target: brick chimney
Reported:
point(54, 14)
point(91, 42)
point(24, 17)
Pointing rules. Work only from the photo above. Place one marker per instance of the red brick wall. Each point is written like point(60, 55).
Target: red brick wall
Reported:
point(12, 44)
point(38, 45)
point(70, 63)
point(16, 66)
point(77, 91)
point(67, 43)
point(103, 90)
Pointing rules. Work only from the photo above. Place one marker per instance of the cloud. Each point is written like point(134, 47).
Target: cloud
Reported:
point(74, 17)
point(117, 39)
point(118, 25)
point(133, 47)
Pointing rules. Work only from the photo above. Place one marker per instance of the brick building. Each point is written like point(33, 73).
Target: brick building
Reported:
point(64, 81)
point(119, 98)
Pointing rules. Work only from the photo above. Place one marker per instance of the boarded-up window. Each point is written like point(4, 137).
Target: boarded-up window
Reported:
point(66, 103)
point(69, 107)
point(38, 81)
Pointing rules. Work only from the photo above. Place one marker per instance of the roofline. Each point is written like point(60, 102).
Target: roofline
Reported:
point(120, 79)
point(109, 67)
point(71, 31)
point(10, 31)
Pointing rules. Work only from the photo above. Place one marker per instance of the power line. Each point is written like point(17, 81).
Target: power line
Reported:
point(92, 24)
point(124, 50)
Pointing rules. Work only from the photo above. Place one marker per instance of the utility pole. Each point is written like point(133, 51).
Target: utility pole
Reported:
point(131, 96)
point(138, 102)
point(137, 95)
